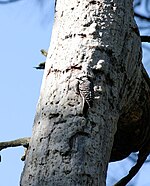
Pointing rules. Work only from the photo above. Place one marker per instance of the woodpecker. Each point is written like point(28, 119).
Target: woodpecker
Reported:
point(85, 88)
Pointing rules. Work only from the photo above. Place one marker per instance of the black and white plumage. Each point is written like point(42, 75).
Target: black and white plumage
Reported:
point(85, 88)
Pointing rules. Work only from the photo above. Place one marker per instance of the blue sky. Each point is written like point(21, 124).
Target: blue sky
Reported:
point(25, 28)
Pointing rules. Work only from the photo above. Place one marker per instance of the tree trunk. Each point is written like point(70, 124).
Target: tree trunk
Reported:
point(96, 40)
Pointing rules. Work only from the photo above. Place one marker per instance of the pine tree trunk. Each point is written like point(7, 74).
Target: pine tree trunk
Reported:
point(71, 142)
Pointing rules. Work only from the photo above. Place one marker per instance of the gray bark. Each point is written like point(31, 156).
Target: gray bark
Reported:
point(96, 39)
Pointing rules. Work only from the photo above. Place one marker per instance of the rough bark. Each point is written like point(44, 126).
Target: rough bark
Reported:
point(96, 39)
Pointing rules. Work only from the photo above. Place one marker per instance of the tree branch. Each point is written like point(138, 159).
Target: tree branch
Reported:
point(145, 39)
point(134, 170)
point(142, 17)
point(9, 1)
point(15, 143)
